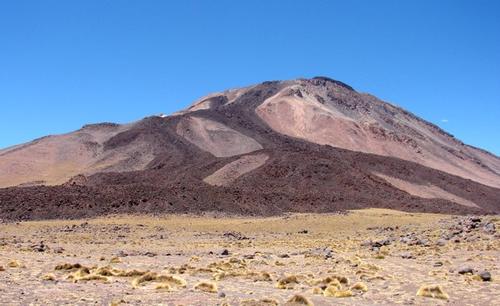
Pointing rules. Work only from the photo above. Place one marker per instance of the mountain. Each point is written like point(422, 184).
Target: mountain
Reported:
point(306, 145)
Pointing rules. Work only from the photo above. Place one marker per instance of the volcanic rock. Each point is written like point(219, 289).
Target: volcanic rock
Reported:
point(306, 145)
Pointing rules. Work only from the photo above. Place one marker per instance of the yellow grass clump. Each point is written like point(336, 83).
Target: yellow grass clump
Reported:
point(105, 271)
point(476, 277)
point(84, 274)
point(68, 266)
point(317, 290)
point(334, 291)
point(360, 287)
point(83, 271)
point(262, 302)
point(235, 260)
point(14, 264)
point(49, 277)
point(148, 277)
point(116, 302)
point(223, 275)
point(343, 293)
point(432, 291)
point(172, 280)
point(299, 300)
point(115, 260)
point(260, 276)
point(93, 277)
point(163, 287)
point(287, 282)
point(335, 278)
point(330, 291)
point(110, 271)
point(206, 287)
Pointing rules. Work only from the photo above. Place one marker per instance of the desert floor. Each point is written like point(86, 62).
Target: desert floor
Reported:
point(364, 257)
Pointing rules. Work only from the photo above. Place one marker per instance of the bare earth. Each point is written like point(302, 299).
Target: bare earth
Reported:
point(369, 256)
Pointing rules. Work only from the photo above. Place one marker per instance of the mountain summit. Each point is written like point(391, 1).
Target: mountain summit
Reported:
point(300, 145)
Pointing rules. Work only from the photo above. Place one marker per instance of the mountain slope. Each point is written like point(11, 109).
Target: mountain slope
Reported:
point(301, 145)
point(328, 112)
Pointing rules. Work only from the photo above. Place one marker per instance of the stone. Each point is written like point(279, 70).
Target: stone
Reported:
point(489, 228)
point(465, 270)
point(225, 252)
point(441, 242)
point(475, 219)
point(41, 247)
point(406, 255)
point(235, 235)
point(325, 252)
point(485, 276)
point(58, 250)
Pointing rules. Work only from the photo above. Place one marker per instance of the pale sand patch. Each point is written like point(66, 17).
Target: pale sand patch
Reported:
point(230, 172)
point(425, 191)
point(215, 137)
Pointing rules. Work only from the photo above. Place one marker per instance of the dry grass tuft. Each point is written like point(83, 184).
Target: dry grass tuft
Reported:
point(93, 277)
point(330, 291)
point(163, 287)
point(334, 291)
point(148, 277)
point(115, 260)
point(172, 280)
point(68, 266)
point(261, 276)
point(116, 303)
point(262, 302)
point(360, 287)
point(14, 264)
point(206, 287)
point(299, 300)
point(2, 269)
point(334, 280)
point(105, 271)
point(49, 277)
point(110, 271)
point(287, 282)
point(343, 293)
point(317, 290)
point(432, 291)
point(82, 272)
point(223, 275)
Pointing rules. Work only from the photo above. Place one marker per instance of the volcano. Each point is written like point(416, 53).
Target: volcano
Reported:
point(305, 145)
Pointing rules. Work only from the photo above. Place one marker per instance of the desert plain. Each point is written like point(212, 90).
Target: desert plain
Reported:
point(360, 257)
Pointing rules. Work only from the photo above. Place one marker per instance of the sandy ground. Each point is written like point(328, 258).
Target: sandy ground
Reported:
point(369, 256)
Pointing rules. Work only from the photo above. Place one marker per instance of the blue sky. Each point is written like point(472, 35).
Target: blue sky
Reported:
point(67, 63)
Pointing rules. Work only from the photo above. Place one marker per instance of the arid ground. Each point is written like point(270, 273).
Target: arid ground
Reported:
point(363, 257)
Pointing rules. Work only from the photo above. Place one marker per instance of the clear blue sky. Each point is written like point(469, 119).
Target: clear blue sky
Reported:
point(67, 63)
